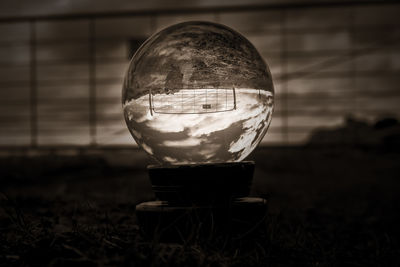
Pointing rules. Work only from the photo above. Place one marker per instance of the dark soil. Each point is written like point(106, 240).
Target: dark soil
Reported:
point(332, 206)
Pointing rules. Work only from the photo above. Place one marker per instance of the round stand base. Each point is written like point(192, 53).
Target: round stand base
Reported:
point(178, 223)
point(207, 184)
point(201, 201)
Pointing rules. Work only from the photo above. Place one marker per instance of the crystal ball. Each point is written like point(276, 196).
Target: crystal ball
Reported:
point(197, 92)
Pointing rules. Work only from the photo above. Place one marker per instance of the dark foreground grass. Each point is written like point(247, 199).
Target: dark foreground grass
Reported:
point(334, 207)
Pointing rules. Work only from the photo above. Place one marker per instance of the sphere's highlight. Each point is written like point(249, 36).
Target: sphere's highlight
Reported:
point(197, 92)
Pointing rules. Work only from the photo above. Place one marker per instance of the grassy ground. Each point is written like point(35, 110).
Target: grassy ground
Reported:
point(327, 207)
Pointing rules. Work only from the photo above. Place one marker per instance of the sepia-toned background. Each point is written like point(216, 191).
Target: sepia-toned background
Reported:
point(71, 174)
point(62, 64)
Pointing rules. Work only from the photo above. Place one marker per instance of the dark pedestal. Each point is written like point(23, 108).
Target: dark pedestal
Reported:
point(201, 201)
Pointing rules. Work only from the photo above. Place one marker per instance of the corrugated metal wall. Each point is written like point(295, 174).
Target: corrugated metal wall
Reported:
point(60, 79)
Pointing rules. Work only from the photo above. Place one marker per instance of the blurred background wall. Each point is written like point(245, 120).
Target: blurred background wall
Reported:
point(62, 64)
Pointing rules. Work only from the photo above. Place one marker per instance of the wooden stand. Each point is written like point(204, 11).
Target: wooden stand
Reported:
point(201, 201)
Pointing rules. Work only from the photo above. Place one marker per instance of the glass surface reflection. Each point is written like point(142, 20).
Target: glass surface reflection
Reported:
point(197, 92)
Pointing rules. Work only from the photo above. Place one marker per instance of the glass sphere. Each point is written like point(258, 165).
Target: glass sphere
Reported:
point(197, 92)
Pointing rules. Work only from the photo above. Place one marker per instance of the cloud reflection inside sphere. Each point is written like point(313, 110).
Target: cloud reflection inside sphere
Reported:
point(197, 92)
